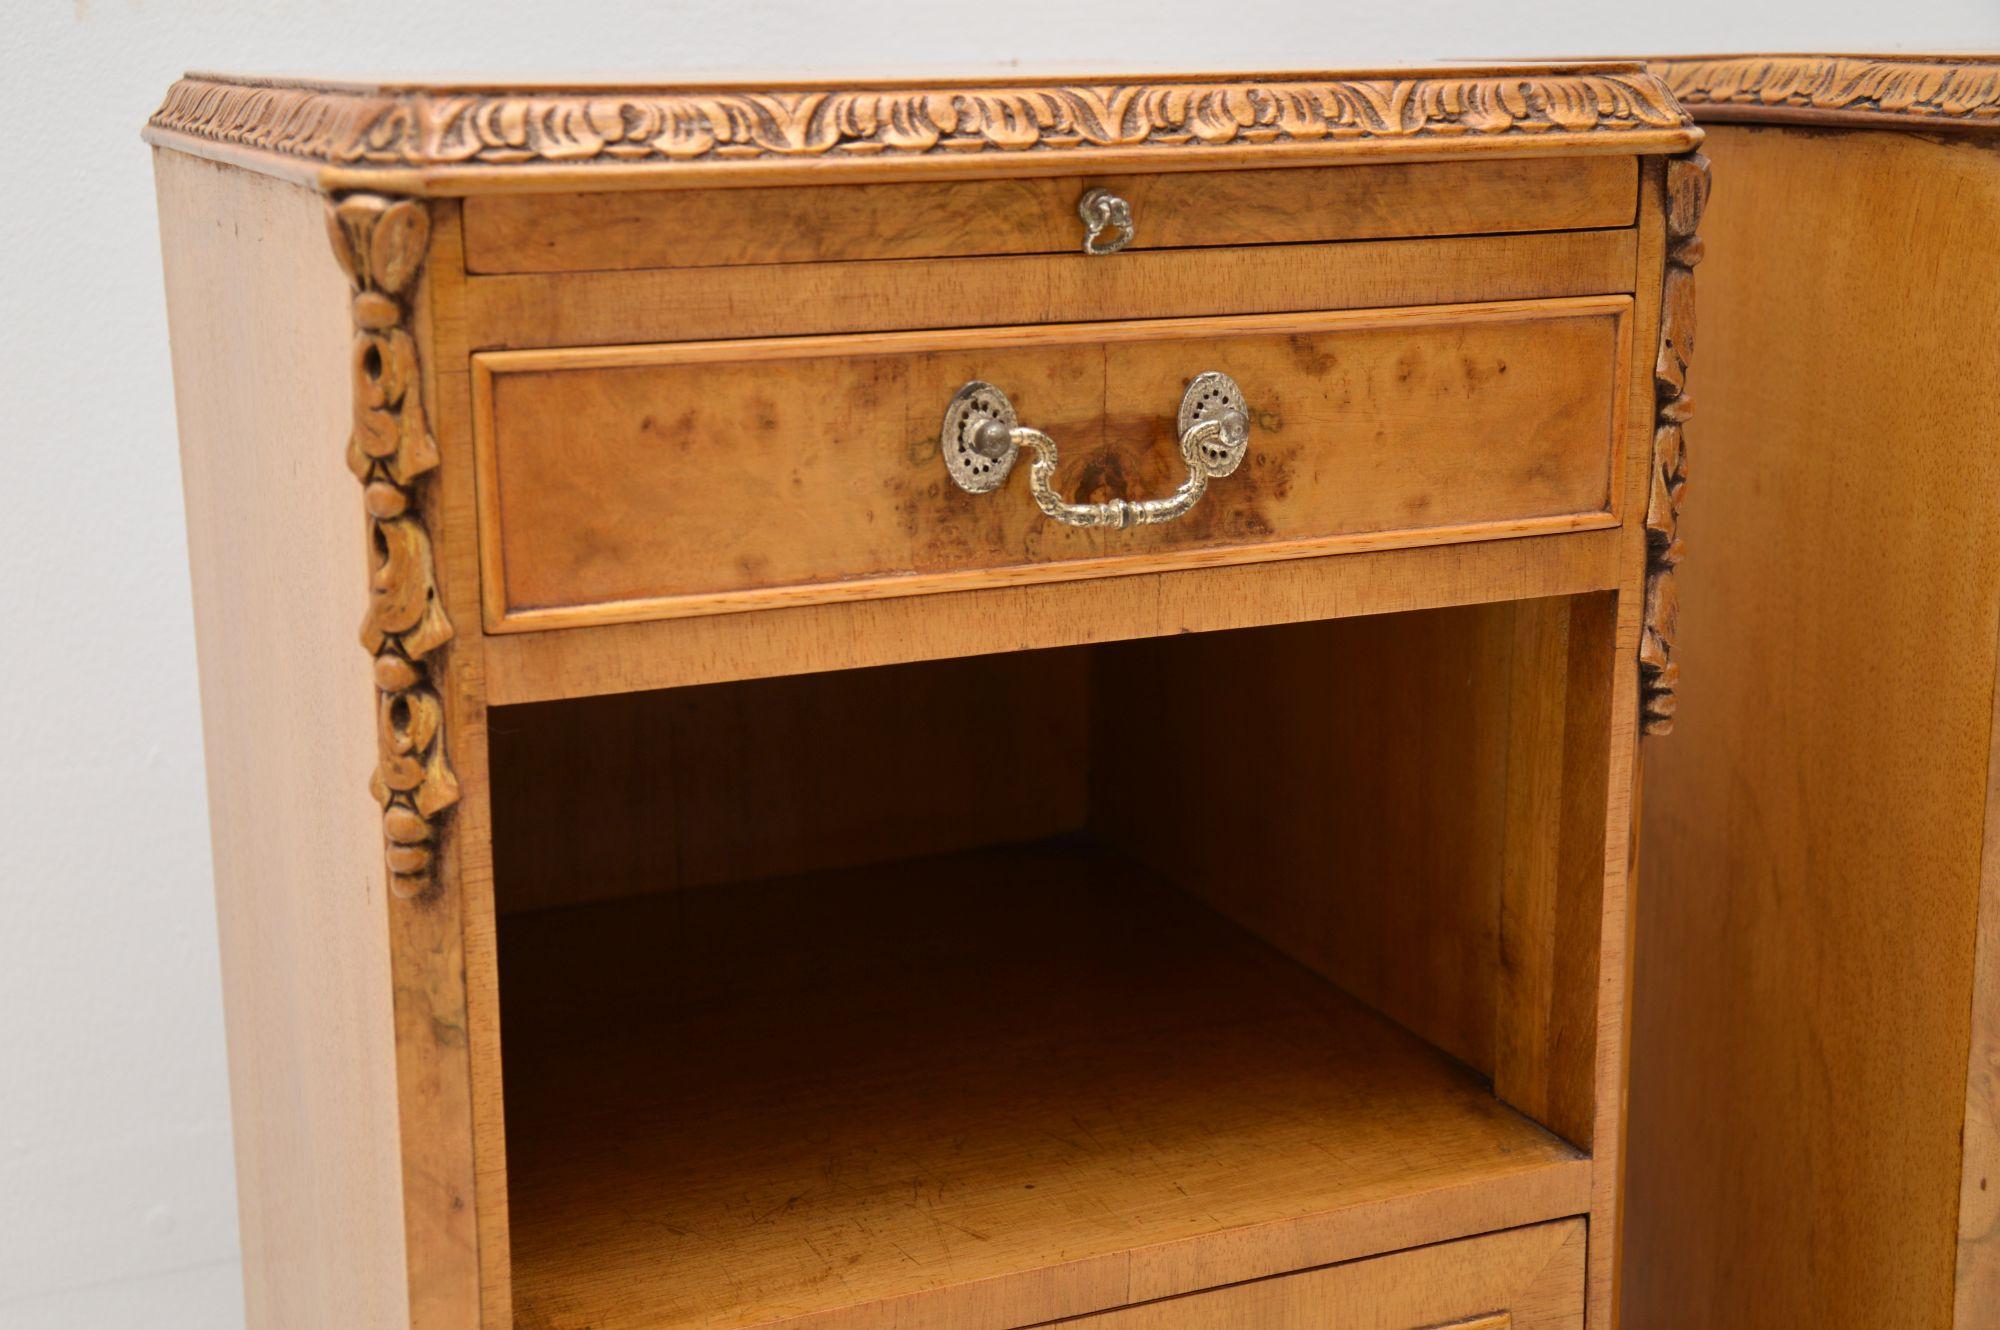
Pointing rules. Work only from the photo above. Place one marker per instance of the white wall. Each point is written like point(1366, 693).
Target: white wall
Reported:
point(116, 1197)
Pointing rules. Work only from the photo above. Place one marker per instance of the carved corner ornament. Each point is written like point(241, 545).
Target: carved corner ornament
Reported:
point(1687, 196)
point(381, 243)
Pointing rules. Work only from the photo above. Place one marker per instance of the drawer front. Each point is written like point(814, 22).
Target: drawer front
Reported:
point(1522, 1279)
point(630, 483)
point(711, 228)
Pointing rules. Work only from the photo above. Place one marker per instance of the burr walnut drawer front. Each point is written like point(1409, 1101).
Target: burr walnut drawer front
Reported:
point(516, 233)
point(642, 482)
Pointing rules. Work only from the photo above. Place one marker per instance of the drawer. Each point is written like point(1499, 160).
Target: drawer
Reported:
point(1522, 1279)
point(712, 228)
point(626, 483)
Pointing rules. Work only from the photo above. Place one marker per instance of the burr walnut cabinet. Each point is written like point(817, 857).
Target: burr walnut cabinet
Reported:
point(1816, 1047)
point(977, 703)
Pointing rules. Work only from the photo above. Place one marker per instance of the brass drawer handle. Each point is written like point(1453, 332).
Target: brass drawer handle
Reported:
point(981, 438)
point(1104, 213)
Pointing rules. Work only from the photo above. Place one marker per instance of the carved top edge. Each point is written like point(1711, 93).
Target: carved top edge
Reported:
point(1927, 92)
point(433, 131)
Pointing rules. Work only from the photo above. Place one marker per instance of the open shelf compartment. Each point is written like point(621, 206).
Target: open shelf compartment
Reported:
point(993, 991)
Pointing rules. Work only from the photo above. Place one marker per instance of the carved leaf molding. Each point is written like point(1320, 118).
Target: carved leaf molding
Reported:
point(1965, 92)
point(380, 244)
point(417, 128)
point(1659, 675)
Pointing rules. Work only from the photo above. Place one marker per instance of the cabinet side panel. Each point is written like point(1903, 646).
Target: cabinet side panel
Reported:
point(1813, 826)
point(259, 315)
point(1978, 1296)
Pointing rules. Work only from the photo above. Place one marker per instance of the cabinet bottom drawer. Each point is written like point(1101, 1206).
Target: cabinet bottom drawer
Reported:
point(1521, 1279)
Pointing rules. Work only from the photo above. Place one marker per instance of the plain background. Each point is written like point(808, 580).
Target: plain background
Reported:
point(117, 1203)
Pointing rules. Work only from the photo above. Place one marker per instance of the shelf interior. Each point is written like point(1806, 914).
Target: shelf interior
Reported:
point(1036, 1075)
point(990, 991)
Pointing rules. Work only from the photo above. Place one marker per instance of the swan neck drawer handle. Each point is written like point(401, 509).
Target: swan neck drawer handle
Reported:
point(982, 437)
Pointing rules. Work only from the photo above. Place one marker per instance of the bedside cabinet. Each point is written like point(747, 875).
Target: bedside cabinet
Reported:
point(977, 703)
point(1815, 1102)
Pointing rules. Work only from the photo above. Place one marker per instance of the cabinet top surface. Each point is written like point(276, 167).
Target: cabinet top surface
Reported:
point(464, 137)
